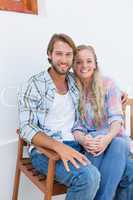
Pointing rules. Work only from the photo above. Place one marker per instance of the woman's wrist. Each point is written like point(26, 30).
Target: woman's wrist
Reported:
point(114, 129)
point(79, 137)
point(109, 137)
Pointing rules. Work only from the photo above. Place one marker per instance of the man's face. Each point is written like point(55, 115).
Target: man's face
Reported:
point(61, 57)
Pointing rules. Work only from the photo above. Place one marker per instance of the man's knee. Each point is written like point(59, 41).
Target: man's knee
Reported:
point(88, 176)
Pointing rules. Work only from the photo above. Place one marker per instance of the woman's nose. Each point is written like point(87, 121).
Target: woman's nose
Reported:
point(85, 65)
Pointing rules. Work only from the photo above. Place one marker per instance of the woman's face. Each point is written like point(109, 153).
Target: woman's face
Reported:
point(84, 64)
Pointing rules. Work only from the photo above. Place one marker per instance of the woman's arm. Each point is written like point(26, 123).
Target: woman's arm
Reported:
point(114, 117)
point(102, 142)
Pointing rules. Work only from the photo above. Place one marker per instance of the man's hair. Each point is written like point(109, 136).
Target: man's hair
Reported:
point(64, 38)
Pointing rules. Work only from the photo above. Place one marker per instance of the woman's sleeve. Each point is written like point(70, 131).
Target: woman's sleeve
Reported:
point(79, 125)
point(114, 105)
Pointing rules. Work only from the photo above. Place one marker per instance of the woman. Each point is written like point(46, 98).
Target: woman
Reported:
point(100, 126)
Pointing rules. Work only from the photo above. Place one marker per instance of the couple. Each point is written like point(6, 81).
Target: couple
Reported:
point(80, 117)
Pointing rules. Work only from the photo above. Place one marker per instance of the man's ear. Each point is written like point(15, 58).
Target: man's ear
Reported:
point(49, 55)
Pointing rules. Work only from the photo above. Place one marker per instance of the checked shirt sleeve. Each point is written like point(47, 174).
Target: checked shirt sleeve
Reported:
point(28, 101)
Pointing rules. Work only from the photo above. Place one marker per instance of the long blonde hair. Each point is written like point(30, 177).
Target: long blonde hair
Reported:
point(97, 91)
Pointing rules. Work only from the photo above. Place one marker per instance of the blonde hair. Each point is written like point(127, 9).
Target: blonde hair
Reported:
point(97, 91)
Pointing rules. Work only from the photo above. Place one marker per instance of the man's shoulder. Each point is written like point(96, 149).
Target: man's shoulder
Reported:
point(40, 77)
point(35, 83)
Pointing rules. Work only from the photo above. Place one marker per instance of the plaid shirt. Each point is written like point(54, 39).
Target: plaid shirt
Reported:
point(35, 100)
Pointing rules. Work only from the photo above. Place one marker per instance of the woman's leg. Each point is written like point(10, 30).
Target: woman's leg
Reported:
point(111, 165)
point(125, 188)
point(96, 161)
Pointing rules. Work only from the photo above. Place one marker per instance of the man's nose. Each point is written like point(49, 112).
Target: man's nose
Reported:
point(64, 59)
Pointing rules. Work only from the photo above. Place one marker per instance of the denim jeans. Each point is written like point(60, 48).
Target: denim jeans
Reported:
point(82, 183)
point(112, 164)
point(125, 188)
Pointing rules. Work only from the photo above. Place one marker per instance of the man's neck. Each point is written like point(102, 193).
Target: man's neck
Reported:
point(56, 76)
point(59, 80)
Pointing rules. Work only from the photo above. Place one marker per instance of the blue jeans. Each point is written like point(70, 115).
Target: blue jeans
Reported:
point(111, 164)
point(82, 183)
point(125, 188)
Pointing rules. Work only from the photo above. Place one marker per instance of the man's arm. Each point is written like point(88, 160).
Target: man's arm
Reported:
point(30, 116)
point(124, 99)
point(65, 152)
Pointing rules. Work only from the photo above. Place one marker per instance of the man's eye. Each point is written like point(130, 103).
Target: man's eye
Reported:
point(69, 54)
point(78, 62)
point(59, 54)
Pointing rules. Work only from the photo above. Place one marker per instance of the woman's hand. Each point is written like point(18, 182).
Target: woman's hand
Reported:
point(102, 142)
point(88, 143)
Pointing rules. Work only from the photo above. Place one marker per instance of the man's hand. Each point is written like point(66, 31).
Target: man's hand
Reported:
point(124, 99)
point(67, 153)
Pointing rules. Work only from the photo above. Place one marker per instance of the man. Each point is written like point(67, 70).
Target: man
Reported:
point(47, 108)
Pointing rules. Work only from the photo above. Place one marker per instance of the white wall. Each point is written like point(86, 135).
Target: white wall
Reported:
point(23, 41)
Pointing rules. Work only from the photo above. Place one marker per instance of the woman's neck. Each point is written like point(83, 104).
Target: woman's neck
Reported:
point(87, 85)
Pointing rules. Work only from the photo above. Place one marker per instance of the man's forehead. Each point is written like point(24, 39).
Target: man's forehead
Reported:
point(62, 51)
point(62, 46)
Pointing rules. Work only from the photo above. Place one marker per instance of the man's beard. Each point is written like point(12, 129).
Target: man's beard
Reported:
point(59, 70)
